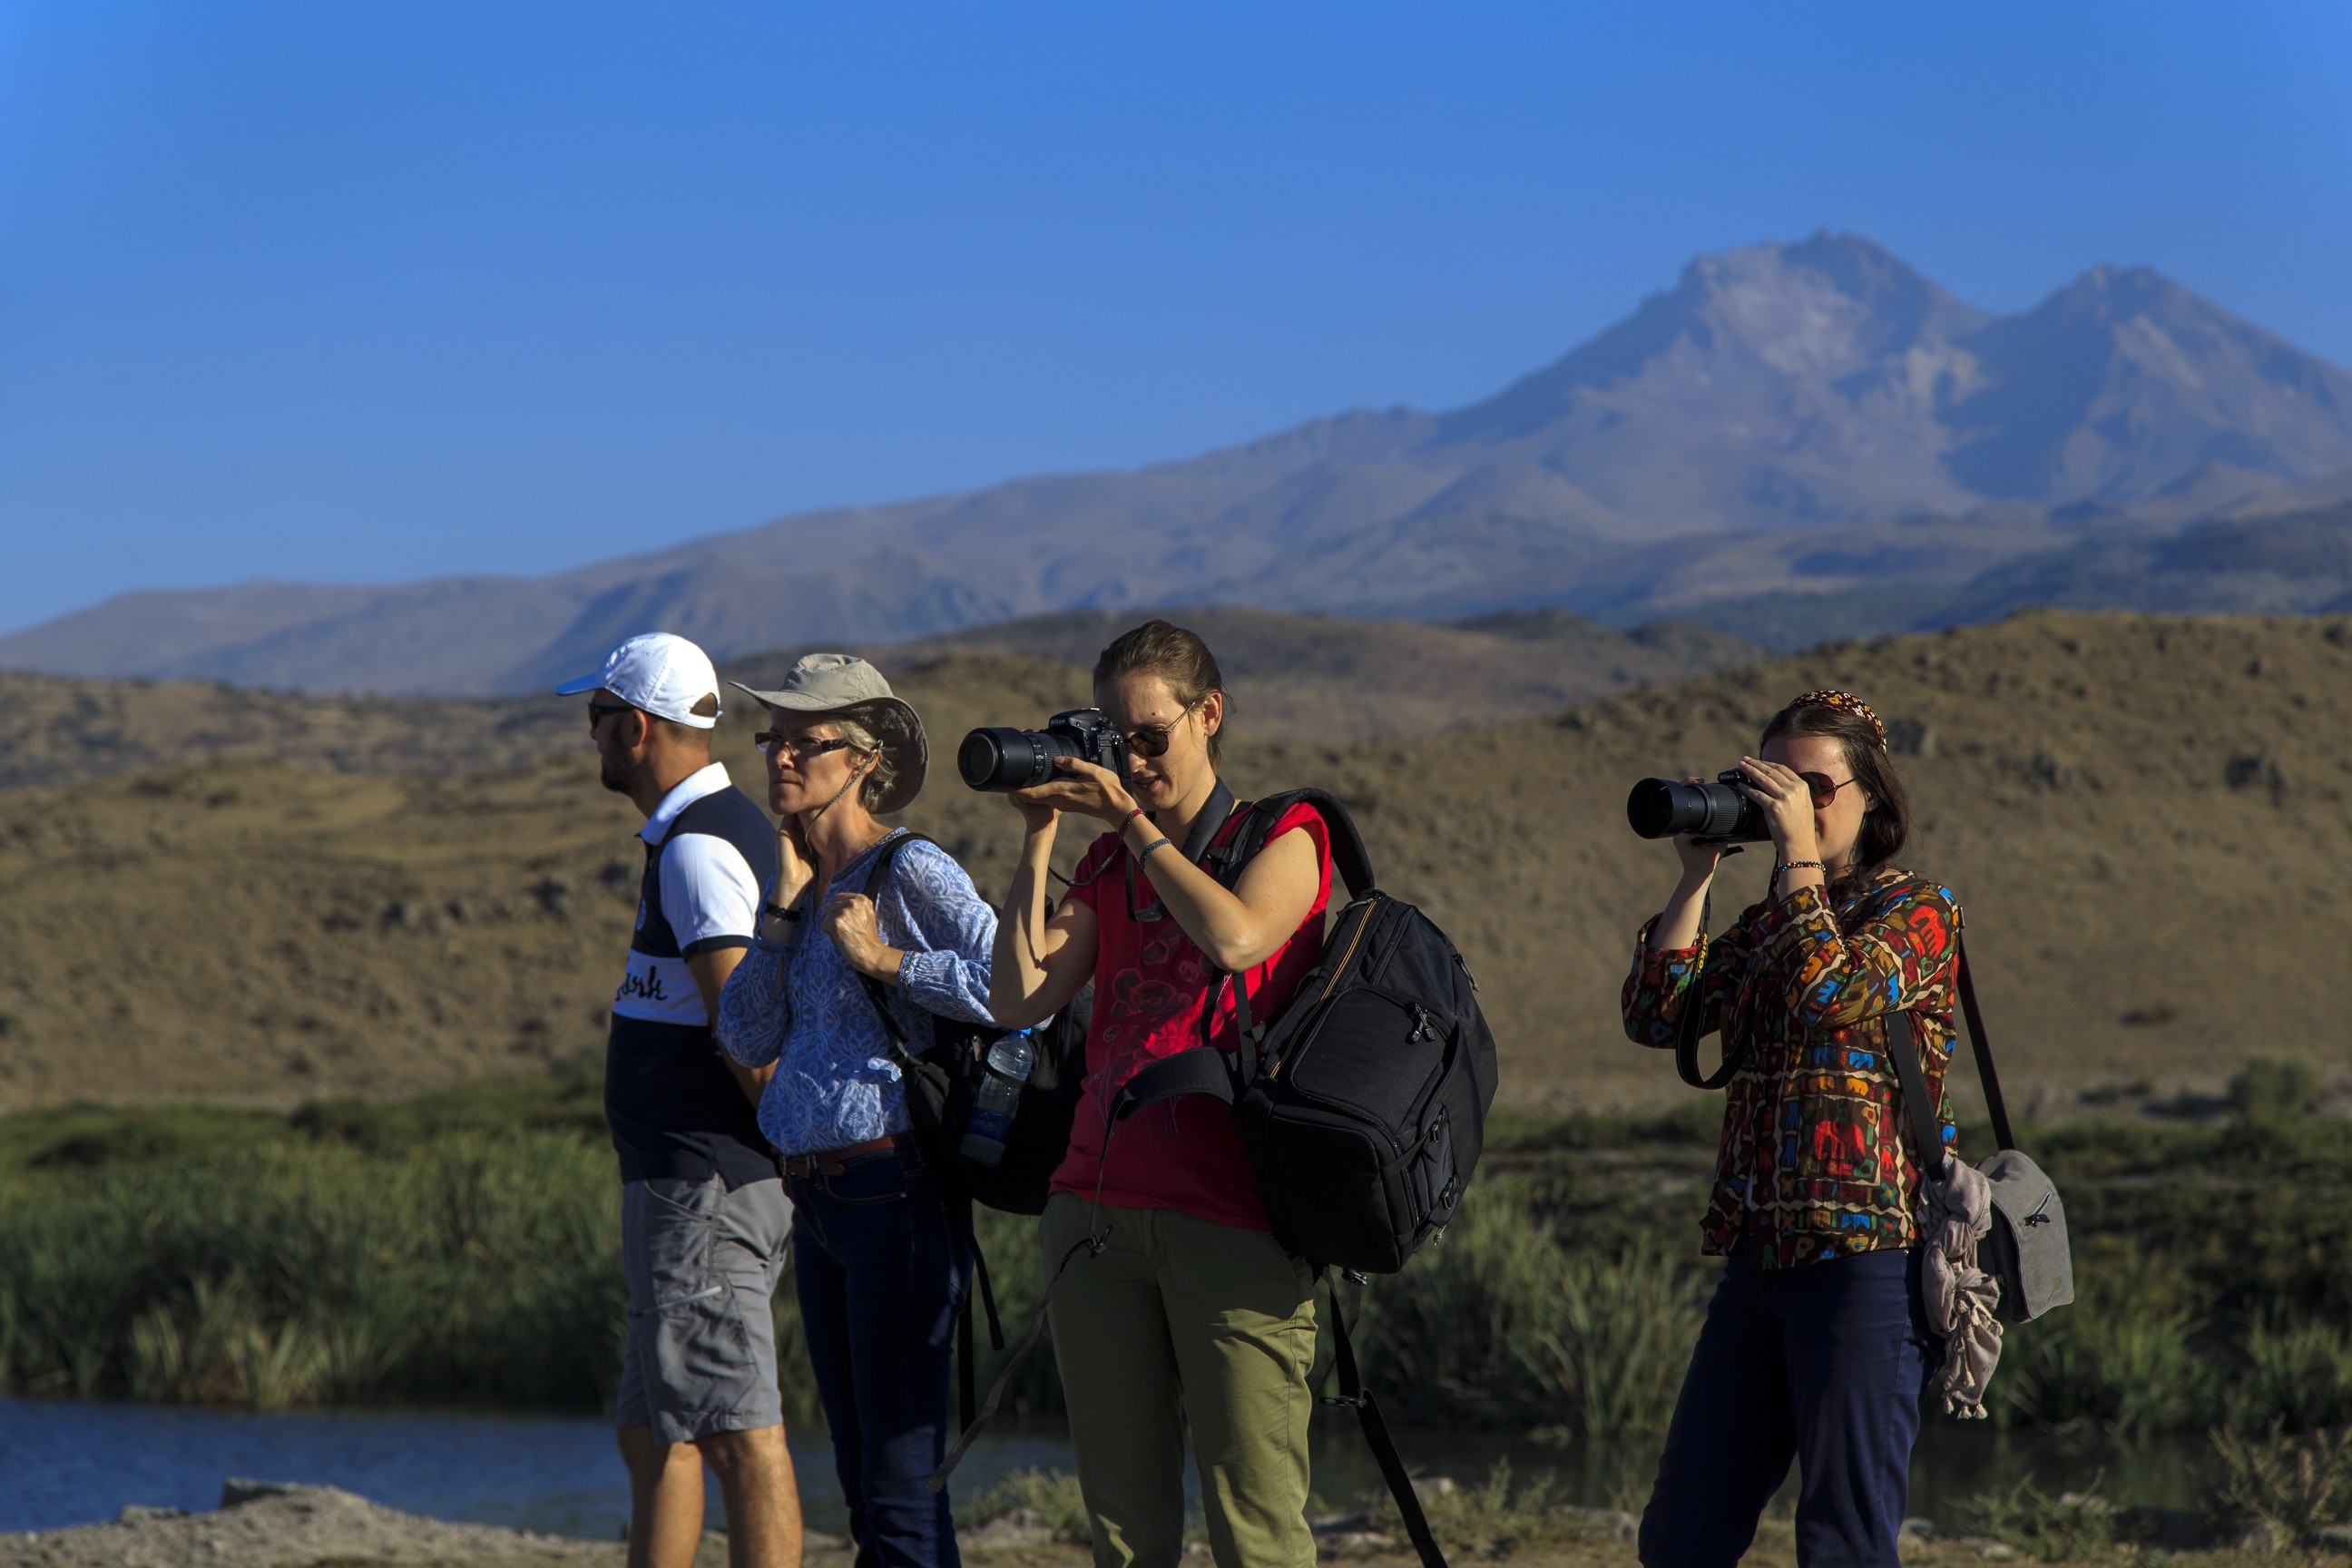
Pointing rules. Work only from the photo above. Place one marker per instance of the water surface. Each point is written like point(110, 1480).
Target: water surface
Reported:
point(82, 1461)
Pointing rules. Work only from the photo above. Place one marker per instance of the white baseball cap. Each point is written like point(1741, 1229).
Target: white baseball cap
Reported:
point(663, 674)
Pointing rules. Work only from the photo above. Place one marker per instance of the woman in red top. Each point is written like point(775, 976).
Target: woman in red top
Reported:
point(1177, 1305)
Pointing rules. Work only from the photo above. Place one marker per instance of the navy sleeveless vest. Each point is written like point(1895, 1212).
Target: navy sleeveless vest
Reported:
point(673, 1107)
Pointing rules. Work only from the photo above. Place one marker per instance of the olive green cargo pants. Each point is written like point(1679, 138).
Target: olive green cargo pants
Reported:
point(1178, 1318)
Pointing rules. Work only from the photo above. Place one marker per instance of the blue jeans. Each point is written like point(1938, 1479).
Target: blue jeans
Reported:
point(882, 1269)
point(1824, 1363)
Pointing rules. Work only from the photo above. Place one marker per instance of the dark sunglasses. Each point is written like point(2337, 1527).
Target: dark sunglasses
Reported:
point(1823, 787)
point(1152, 740)
point(773, 741)
point(600, 712)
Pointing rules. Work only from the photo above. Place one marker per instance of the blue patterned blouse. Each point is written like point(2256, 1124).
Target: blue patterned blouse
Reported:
point(801, 1006)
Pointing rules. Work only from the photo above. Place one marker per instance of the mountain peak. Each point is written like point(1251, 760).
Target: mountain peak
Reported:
point(2108, 293)
point(1758, 428)
point(1785, 369)
point(2123, 384)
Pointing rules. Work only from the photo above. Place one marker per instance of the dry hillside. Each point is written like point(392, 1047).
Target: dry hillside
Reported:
point(55, 729)
point(2145, 817)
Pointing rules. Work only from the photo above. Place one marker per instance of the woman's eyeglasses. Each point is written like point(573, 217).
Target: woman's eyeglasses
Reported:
point(1823, 787)
point(1152, 740)
point(775, 740)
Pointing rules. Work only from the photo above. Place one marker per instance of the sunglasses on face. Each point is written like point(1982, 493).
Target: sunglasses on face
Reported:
point(1823, 787)
point(773, 742)
point(1152, 740)
point(600, 712)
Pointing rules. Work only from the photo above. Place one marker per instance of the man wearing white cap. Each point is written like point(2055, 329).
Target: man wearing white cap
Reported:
point(703, 1211)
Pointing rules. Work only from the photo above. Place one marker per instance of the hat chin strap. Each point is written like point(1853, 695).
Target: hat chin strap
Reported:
point(853, 780)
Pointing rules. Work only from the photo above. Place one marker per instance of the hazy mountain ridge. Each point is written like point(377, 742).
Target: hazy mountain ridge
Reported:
point(1294, 678)
point(1777, 425)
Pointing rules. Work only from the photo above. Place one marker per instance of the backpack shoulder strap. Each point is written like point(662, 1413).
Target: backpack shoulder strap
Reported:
point(1902, 1045)
point(878, 873)
point(1995, 1107)
point(876, 876)
point(1352, 1391)
point(1348, 857)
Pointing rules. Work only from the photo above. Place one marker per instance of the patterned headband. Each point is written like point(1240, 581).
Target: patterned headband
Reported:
point(1844, 702)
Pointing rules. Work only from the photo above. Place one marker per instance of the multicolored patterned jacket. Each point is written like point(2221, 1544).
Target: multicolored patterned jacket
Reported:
point(1813, 1163)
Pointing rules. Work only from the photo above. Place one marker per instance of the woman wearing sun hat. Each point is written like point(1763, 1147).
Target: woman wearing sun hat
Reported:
point(880, 1264)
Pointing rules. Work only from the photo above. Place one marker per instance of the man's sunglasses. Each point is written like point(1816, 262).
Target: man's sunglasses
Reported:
point(1152, 740)
point(600, 712)
point(773, 741)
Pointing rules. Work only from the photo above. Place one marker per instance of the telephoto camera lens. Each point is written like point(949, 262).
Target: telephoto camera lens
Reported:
point(1007, 759)
point(1003, 759)
point(1661, 809)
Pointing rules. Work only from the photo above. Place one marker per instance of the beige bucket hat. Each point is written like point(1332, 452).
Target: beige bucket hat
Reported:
point(844, 683)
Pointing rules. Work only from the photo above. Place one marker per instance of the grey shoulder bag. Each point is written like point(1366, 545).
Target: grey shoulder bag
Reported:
point(2026, 1249)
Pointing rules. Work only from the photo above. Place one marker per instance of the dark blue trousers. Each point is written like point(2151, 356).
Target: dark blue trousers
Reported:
point(882, 1273)
point(1825, 1363)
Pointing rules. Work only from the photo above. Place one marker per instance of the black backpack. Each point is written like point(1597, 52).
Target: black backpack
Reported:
point(944, 1073)
point(1363, 1103)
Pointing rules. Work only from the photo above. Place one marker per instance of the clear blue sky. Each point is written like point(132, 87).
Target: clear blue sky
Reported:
point(366, 290)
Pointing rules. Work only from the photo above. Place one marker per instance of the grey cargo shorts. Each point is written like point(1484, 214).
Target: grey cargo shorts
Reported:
point(702, 1265)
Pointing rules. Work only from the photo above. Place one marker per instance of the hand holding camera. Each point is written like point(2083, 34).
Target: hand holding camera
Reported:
point(1083, 788)
point(1077, 762)
point(1747, 804)
point(1785, 800)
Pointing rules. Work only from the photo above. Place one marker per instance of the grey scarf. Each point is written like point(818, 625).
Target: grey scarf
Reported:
point(1960, 1296)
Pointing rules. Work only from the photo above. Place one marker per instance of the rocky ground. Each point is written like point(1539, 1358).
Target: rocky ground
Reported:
point(262, 1524)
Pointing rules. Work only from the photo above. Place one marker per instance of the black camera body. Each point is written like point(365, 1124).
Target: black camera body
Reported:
point(1004, 759)
point(1662, 808)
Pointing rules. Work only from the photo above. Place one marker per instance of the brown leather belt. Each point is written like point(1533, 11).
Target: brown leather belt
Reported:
point(834, 1162)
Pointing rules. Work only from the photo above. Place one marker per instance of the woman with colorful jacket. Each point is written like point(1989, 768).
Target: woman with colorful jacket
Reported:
point(1816, 1345)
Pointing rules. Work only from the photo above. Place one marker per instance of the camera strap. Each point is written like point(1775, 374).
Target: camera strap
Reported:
point(1205, 828)
point(1687, 1035)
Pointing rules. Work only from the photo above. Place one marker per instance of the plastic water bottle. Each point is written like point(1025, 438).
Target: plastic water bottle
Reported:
point(1009, 1061)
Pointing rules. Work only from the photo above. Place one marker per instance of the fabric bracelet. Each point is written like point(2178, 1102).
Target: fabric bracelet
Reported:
point(1161, 842)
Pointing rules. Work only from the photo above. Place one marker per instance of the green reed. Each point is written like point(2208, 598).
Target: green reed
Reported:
point(473, 1266)
point(464, 1247)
